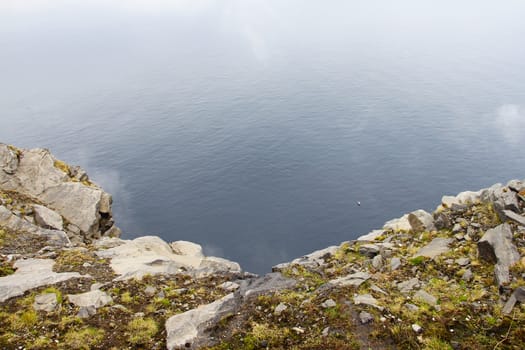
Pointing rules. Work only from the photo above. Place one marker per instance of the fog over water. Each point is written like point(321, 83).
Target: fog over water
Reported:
point(254, 127)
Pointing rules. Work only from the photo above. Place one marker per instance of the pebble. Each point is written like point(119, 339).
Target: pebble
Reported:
point(417, 328)
point(328, 303)
point(280, 308)
point(365, 317)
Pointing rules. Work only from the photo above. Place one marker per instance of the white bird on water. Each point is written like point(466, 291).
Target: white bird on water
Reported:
point(358, 203)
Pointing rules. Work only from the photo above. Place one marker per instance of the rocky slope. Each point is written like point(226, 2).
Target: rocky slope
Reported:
point(453, 279)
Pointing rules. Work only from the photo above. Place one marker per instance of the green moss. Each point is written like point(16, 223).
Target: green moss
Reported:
point(126, 298)
point(83, 339)
point(418, 260)
point(142, 330)
point(56, 292)
point(62, 166)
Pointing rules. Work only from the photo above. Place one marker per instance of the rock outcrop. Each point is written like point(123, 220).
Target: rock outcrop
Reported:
point(448, 279)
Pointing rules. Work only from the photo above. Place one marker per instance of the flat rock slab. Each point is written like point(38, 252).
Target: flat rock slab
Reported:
point(352, 280)
point(46, 302)
point(188, 330)
point(436, 247)
point(95, 298)
point(367, 299)
point(312, 260)
point(30, 274)
point(270, 282)
point(519, 219)
point(152, 255)
point(48, 218)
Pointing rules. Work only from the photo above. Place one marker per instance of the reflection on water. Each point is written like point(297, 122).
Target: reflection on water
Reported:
point(254, 127)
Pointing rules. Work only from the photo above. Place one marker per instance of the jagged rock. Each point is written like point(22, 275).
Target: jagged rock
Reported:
point(507, 200)
point(518, 295)
point(13, 222)
point(328, 303)
point(188, 330)
point(31, 274)
point(401, 223)
point(420, 221)
point(367, 299)
point(38, 175)
point(426, 297)
point(48, 218)
point(369, 250)
point(354, 280)
point(496, 247)
point(442, 221)
point(369, 237)
point(104, 205)
point(270, 282)
point(311, 260)
point(186, 248)
point(46, 302)
point(95, 298)
point(212, 264)
point(407, 286)
point(280, 308)
point(436, 247)
point(517, 218)
point(365, 317)
point(516, 185)
point(8, 159)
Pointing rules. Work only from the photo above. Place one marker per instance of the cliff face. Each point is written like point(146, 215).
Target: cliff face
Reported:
point(453, 278)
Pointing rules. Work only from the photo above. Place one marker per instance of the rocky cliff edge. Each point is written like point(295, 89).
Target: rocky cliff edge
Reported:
point(451, 279)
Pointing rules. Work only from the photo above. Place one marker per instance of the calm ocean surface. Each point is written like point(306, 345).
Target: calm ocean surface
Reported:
point(254, 127)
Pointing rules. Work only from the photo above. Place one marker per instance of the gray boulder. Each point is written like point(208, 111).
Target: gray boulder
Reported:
point(8, 160)
point(48, 218)
point(420, 221)
point(189, 329)
point(496, 247)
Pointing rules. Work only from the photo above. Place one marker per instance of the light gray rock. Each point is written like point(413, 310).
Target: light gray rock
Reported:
point(467, 275)
point(268, 283)
point(8, 160)
point(367, 299)
point(352, 280)
point(411, 307)
point(365, 317)
point(328, 303)
point(46, 302)
point(312, 260)
point(377, 262)
point(150, 291)
point(420, 221)
point(37, 176)
point(436, 247)
point(188, 330)
point(13, 222)
point(185, 248)
point(463, 261)
point(517, 218)
point(496, 247)
point(517, 296)
point(279, 309)
point(216, 265)
point(401, 223)
point(516, 185)
point(417, 328)
point(104, 205)
point(31, 274)
point(369, 250)
point(395, 263)
point(426, 297)
point(88, 311)
point(229, 286)
point(48, 218)
point(107, 242)
point(95, 298)
point(407, 286)
point(372, 236)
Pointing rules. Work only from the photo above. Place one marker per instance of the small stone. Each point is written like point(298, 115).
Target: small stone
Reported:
point(369, 250)
point(426, 297)
point(467, 275)
point(377, 262)
point(463, 261)
point(365, 317)
point(325, 332)
point(86, 311)
point(367, 299)
point(395, 263)
point(411, 307)
point(328, 303)
point(46, 302)
point(436, 247)
point(407, 286)
point(417, 328)
point(229, 286)
point(150, 291)
point(279, 309)
point(139, 314)
point(86, 264)
point(298, 330)
point(457, 228)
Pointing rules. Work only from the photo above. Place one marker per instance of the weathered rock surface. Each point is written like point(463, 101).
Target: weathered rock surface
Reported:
point(311, 260)
point(48, 218)
point(496, 247)
point(436, 247)
point(46, 302)
point(17, 224)
point(31, 274)
point(188, 330)
point(37, 173)
point(95, 298)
